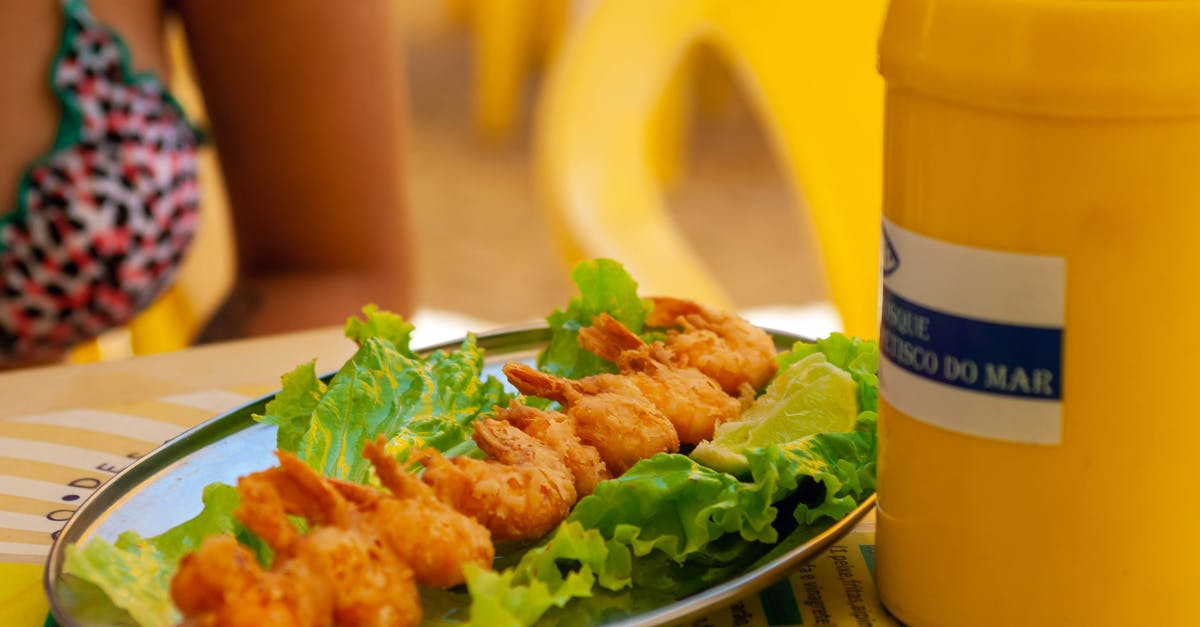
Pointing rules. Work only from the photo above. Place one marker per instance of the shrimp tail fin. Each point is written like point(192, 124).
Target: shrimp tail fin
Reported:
point(518, 415)
point(533, 382)
point(501, 440)
point(263, 510)
point(317, 501)
point(429, 458)
point(400, 483)
point(668, 312)
point(608, 338)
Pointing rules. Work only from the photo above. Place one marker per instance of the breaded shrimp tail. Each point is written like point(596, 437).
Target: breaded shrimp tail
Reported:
point(446, 540)
point(608, 412)
point(736, 354)
point(690, 399)
point(337, 573)
point(358, 565)
point(608, 338)
point(533, 382)
point(558, 432)
point(523, 492)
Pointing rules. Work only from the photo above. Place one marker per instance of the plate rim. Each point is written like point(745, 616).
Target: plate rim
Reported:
point(523, 336)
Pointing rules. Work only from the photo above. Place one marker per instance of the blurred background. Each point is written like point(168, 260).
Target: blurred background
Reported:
point(484, 247)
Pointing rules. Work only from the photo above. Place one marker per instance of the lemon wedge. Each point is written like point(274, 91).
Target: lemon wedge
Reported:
point(812, 396)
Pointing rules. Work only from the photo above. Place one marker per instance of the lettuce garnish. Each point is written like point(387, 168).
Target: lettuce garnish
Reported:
point(682, 527)
point(604, 287)
point(134, 573)
point(415, 401)
point(668, 527)
point(522, 594)
point(855, 355)
point(292, 407)
point(685, 527)
point(385, 388)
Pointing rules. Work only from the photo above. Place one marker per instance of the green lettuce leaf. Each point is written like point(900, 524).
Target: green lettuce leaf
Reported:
point(830, 472)
point(441, 408)
point(292, 408)
point(384, 388)
point(855, 355)
point(381, 324)
point(670, 527)
point(134, 573)
point(670, 503)
point(415, 402)
point(686, 527)
point(522, 594)
point(604, 287)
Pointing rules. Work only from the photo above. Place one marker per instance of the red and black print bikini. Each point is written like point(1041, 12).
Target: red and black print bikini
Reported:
point(101, 223)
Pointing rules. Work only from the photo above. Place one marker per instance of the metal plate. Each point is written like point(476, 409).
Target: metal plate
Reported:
point(164, 488)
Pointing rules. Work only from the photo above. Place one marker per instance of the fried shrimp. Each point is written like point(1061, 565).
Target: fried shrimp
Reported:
point(331, 575)
point(692, 401)
point(618, 421)
point(736, 354)
point(558, 432)
point(221, 583)
point(359, 563)
point(524, 491)
point(447, 540)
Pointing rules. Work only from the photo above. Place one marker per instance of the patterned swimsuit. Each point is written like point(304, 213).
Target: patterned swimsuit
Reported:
point(102, 222)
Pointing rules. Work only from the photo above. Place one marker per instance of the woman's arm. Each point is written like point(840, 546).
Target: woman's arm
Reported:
point(306, 101)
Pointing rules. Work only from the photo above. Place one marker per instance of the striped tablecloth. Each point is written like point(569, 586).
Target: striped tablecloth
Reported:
point(51, 462)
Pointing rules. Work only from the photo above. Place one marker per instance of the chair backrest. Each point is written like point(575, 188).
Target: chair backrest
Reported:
point(509, 39)
point(809, 68)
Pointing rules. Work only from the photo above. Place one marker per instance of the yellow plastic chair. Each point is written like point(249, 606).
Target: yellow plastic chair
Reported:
point(809, 69)
point(510, 37)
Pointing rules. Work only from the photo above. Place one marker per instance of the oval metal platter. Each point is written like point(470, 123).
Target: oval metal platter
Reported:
point(163, 489)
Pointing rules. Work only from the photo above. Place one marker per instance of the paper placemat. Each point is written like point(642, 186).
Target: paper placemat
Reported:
point(51, 462)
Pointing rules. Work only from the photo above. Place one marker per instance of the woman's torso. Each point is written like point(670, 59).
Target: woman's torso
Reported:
point(91, 224)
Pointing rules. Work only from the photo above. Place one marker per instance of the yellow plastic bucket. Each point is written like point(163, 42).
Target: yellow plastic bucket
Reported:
point(1040, 445)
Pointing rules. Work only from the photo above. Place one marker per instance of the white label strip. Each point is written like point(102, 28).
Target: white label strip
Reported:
point(43, 490)
point(1013, 288)
point(20, 552)
point(29, 522)
point(62, 455)
point(213, 400)
point(106, 422)
point(971, 339)
point(1029, 421)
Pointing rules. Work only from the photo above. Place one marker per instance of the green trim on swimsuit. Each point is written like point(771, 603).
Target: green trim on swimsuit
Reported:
point(128, 76)
point(70, 121)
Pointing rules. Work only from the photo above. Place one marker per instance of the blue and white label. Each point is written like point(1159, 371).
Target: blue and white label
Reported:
point(972, 338)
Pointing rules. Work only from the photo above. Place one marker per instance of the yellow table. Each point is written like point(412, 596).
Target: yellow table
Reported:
point(64, 430)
